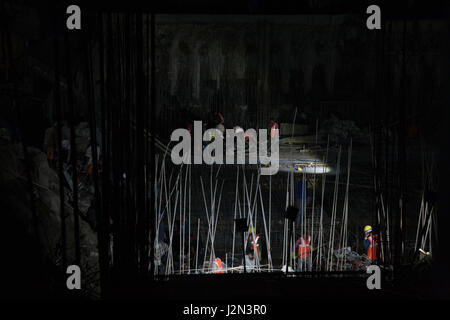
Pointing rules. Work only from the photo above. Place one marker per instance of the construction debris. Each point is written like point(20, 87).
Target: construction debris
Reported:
point(352, 260)
point(340, 131)
point(46, 187)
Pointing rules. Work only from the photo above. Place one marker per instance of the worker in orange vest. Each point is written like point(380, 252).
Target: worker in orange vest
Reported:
point(217, 266)
point(304, 253)
point(370, 243)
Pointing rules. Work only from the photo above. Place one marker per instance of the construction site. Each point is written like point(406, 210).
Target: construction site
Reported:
point(120, 150)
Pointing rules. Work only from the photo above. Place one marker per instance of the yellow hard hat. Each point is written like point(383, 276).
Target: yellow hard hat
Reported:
point(251, 230)
point(367, 229)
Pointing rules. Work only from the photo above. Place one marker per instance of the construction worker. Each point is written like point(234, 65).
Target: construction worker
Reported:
point(215, 118)
point(89, 160)
point(250, 262)
point(220, 118)
point(51, 144)
point(65, 152)
point(370, 243)
point(304, 253)
point(189, 128)
point(273, 128)
point(217, 266)
point(160, 252)
point(254, 243)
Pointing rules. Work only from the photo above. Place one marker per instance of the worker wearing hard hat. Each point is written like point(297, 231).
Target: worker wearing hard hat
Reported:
point(370, 243)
